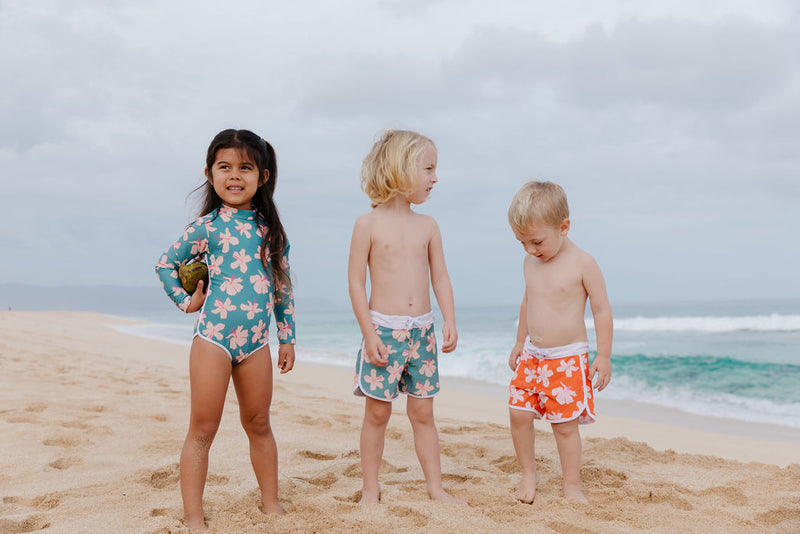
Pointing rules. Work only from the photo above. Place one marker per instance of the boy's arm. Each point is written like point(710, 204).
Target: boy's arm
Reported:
point(522, 333)
point(443, 289)
point(595, 287)
point(374, 350)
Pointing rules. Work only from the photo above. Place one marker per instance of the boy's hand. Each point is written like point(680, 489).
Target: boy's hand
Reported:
point(285, 357)
point(375, 351)
point(513, 360)
point(449, 337)
point(198, 298)
point(602, 368)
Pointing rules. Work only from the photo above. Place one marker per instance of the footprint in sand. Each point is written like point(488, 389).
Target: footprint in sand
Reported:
point(29, 524)
point(64, 463)
point(61, 441)
point(323, 481)
point(778, 516)
point(727, 494)
point(162, 478)
point(602, 478)
point(463, 451)
point(315, 455)
point(417, 519)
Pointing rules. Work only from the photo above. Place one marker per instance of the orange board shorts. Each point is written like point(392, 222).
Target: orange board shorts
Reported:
point(554, 383)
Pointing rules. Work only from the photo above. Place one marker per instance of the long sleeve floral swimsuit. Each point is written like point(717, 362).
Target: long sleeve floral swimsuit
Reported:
point(241, 294)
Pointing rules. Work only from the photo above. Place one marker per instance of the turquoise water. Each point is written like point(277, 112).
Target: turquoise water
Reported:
point(737, 360)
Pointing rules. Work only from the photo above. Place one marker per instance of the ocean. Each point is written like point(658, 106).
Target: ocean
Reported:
point(738, 360)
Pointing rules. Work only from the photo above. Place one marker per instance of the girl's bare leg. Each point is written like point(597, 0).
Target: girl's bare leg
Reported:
point(373, 430)
point(523, 435)
point(252, 380)
point(568, 441)
point(426, 443)
point(209, 374)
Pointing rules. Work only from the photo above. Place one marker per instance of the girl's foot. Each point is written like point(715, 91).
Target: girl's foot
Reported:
point(442, 496)
point(370, 497)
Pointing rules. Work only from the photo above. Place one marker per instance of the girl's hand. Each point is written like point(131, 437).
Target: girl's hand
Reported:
point(602, 368)
point(285, 357)
point(449, 337)
point(513, 360)
point(375, 351)
point(198, 298)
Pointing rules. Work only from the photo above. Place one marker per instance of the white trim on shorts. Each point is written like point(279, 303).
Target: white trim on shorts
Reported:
point(550, 353)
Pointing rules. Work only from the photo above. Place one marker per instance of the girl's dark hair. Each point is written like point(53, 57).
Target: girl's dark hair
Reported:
point(263, 155)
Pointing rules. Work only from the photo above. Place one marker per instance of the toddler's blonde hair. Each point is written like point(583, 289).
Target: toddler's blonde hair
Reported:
point(390, 168)
point(538, 202)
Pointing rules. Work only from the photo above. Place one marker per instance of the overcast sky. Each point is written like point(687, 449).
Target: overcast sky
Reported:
point(673, 126)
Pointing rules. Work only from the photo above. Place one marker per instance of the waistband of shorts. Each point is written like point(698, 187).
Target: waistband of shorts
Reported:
point(573, 349)
point(401, 322)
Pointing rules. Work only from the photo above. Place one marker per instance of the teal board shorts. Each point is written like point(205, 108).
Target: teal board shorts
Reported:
point(412, 369)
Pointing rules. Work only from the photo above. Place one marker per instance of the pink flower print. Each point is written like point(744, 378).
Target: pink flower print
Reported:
point(387, 393)
point(251, 308)
point(555, 416)
point(395, 371)
point(411, 353)
point(163, 263)
point(563, 394)
point(232, 285)
point(567, 367)
point(431, 346)
point(198, 247)
point(544, 375)
point(401, 335)
point(423, 389)
point(214, 264)
point(262, 230)
point(242, 259)
point(258, 331)
point(579, 408)
point(516, 394)
point(260, 283)
point(222, 308)
point(374, 380)
point(530, 374)
point(225, 213)
point(238, 338)
point(210, 228)
point(244, 228)
point(289, 309)
point(226, 240)
point(189, 230)
point(284, 330)
point(214, 331)
point(428, 368)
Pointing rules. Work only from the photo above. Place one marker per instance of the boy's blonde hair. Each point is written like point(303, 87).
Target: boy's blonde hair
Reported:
point(538, 202)
point(390, 168)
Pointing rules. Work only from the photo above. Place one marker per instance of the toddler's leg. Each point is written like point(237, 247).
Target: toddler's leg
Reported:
point(426, 443)
point(523, 436)
point(568, 441)
point(373, 429)
point(209, 373)
point(252, 380)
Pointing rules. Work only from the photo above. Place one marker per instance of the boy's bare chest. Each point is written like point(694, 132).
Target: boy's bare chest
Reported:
point(554, 281)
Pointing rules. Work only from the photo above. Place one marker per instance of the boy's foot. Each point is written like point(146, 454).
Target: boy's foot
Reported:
point(370, 497)
point(574, 494)
point(195, 524)
point(442, 496)
point(526, 489)
point(273, 508)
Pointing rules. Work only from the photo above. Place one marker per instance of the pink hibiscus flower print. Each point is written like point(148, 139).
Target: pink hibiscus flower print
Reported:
point(222, 308)
point(214, 331)
point(431, 346)
point(199, 247)
point(395, 372)
point(258, 331)
point(516, 395)
point(411, 353)
point(251, 308)
point(428, 368)
point(232, 285)
point(530, 374)
point(423, 389)
point(260, 283)
point(567, 367)
point(189, 230)
point(225, 213)
point(238, 338)
point(284, 330)
point(214, 264)
point(242, 258)
point(400, 335)
point(544, 375)
point(226, 240)
point(210, 228)
point(374, 380)
point(244, 228)
point(564, 395)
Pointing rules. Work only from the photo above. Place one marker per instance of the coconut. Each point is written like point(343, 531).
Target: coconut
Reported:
point(192, 273)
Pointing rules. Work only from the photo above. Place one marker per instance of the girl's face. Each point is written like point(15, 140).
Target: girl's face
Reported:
point(426, 176)
point(235, 178)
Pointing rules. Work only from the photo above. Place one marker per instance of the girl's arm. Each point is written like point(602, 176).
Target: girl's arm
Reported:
point(374, 350)
point(284, 305)
point(595, 287)
point(193, 244)
point(443, 289)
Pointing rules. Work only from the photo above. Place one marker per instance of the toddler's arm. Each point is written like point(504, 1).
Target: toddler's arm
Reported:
point(374, 350)
point(193, 244)
point(595, 287)
point(284, 305)
point(522, 333)
point(443, 289)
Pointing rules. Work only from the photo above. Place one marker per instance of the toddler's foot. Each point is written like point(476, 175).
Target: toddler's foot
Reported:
point(442, 496)
point(195, 523)
point(370, 496)
point(574, 494)
point(526, 489)
point(272, 508)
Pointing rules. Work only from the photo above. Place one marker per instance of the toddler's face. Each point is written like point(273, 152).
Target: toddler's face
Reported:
point(543, 241)
point(235, 178)
point(426, 176)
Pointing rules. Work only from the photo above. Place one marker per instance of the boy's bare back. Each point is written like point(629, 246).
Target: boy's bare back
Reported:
point(395, 244)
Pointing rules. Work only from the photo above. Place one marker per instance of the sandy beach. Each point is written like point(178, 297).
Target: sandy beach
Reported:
point(92, 421)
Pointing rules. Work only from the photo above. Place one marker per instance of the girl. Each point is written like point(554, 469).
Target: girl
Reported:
point(240, 237)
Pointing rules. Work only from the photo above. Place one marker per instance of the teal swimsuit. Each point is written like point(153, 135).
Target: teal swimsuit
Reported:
point(241, 294)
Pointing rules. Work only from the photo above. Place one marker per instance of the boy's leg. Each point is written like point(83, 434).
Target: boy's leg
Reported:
point(426, 443)
point(568, 441)
point(523, 436)
point(373, 430)
point(209, 374)
point(252, 380)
